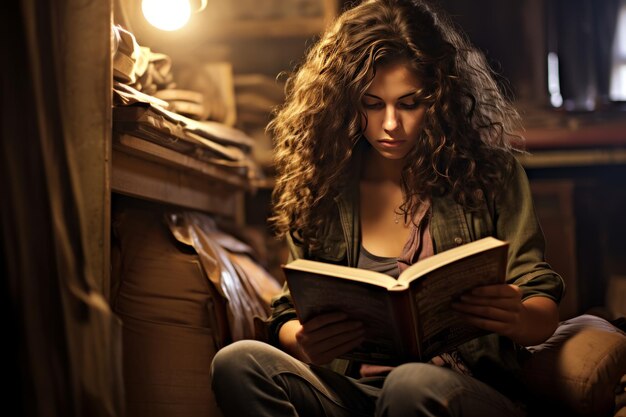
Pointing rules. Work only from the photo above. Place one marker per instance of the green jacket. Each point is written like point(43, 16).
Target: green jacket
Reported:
point(509, 216)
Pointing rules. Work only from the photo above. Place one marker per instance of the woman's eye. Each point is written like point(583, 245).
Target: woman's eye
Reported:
point(409, 106)
point(374, 105)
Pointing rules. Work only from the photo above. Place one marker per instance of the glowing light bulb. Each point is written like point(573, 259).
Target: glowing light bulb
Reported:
point(166, 14)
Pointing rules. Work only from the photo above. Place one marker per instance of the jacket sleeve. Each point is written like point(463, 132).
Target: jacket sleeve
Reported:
point(282, 308)
point(492, 358)
point(516, 222)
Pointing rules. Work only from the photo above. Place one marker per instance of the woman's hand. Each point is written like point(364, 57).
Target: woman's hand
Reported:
point(374, 370)
point(323, 338)
point(496, 308)
point(499, 309)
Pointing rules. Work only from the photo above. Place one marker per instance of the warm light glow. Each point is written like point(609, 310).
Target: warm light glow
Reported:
point(166, 14)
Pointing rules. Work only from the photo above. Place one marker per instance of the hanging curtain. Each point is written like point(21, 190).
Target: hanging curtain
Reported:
point(63, 341)
point(581, 32)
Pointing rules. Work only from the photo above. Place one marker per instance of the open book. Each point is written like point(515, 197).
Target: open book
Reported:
point(405, 319)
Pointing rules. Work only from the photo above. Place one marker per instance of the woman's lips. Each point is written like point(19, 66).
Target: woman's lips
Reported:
point(391, 143)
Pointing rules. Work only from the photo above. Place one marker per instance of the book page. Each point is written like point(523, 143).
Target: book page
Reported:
point(431, 263)
point(440, 327)
point(370, 304)
point(346, 272)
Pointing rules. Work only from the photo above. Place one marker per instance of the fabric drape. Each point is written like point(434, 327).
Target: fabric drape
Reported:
point(66, 341)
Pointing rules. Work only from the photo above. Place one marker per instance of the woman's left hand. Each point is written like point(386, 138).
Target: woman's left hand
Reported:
point(500, 309)
point(495, 308)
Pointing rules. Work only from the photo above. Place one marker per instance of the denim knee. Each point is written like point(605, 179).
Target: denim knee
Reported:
point(419, 389)
point(417, 380)
point(231, 361)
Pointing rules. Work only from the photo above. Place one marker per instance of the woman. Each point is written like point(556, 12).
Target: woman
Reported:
point(394, 144)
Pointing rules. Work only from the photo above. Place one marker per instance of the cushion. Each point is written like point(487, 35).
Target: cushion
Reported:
point(579, 367)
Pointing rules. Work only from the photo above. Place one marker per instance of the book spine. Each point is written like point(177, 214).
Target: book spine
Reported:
point(406, 319)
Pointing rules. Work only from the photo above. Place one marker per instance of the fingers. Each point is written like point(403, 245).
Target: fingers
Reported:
point(495, 308)
point(335, 330)
point(374, 370)
point(328, 349)
point(323, 320)
point(506, 297)
point(495, 320)
point(328, 336)
point(494, 291)
point(504, 328)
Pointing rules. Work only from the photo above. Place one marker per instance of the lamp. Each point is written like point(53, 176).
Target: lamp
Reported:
point(170, 15)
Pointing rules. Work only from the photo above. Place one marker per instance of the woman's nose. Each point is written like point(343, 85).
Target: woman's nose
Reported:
point(391, 119)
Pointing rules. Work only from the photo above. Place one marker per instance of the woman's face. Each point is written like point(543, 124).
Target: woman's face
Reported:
point(394, 114)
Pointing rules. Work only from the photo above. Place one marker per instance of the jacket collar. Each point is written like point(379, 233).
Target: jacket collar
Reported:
point(349, 221)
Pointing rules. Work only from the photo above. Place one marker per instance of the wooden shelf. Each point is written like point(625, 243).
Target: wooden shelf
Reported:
point(578, 144)
point(573, 158)
point(578, 135)
point(151, 151)
point(146, 170)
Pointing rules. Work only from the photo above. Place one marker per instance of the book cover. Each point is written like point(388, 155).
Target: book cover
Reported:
point(409, 318)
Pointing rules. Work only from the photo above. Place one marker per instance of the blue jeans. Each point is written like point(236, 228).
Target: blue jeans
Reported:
point(251, 378)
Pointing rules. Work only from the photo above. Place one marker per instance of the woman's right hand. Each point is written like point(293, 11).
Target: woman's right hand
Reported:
point(323, 338)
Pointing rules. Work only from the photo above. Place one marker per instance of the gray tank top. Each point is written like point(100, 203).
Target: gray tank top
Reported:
point(375, 263)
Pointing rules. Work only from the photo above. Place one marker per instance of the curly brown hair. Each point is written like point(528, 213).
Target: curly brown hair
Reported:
point(466, 138)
